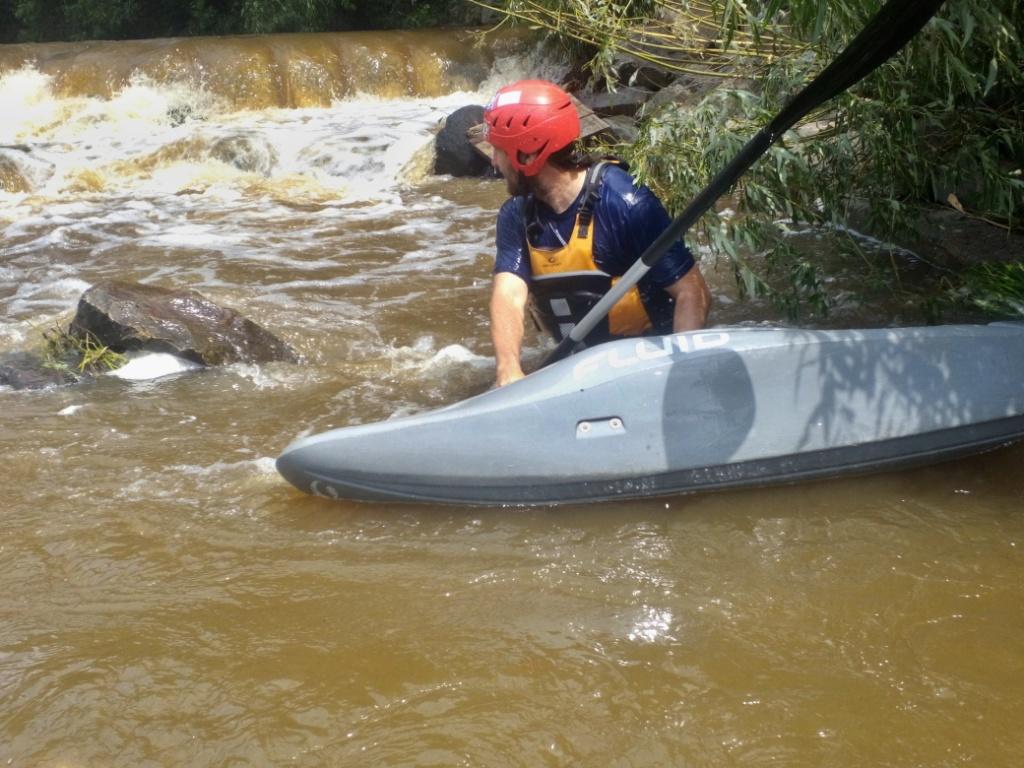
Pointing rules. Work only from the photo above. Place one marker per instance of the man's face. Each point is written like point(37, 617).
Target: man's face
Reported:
point(514, 180)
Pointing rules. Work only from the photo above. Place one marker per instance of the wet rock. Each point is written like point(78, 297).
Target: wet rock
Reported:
point(455, 155)
point(20, 171)
point(643, 74)
point(686, 91)
point(624, 100)
point(946, 237)
point(810, 130)
point(623, 128)
point(178, 114)
point(24, 370)
point(11, 179)
point(246, 153)
point(131, 317)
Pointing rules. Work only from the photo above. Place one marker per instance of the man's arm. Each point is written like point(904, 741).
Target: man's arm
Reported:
point(508, 313)
point(693, 300)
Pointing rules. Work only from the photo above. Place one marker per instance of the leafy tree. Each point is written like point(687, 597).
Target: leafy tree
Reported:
point(941, 123)
point(8, 22)
point(49, 20)
point(261, 16)
point(387, 14)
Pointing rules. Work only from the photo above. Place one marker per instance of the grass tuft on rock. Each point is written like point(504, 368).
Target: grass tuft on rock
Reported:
point(78, 355)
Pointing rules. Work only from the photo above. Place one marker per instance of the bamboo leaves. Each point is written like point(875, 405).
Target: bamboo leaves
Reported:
point(943, 117)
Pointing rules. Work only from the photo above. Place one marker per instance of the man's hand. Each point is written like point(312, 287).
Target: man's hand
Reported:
point(693, 300)
point(508, 311)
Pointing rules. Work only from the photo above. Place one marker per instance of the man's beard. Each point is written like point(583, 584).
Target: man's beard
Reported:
point(520, 184)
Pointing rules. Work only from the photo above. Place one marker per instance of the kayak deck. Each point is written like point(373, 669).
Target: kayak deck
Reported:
point(690, 412)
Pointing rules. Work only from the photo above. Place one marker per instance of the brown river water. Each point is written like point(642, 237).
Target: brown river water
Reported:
point(166, 599)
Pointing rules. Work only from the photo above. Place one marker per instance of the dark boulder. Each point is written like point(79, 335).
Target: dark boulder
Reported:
point(24, 370)
point(455, 155)
point(134, 317)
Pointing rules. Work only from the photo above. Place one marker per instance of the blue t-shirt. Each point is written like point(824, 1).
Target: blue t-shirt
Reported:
point(627, 219)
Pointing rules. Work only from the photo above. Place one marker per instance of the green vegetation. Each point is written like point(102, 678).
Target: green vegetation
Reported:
point(53, 20)
point(941, 124)
point(77, 355)
point(997, 289)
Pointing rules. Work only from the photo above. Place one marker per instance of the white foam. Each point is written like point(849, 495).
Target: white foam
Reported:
point(262, 466)
point(540, 63)
point(266, 465)
point(51, 293)
point(27, 104)
point(366, 139)
point(355, 150)
point(153, 365)
point(422, 358)
point(258, 377)
point(454, 354)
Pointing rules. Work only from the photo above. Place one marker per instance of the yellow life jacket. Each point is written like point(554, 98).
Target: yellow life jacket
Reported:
point(566, 282)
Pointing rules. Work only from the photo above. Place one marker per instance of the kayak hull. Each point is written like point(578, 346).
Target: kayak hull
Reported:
point(690, 412)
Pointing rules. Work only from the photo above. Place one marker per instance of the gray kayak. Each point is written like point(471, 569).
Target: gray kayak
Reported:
point(690, 412)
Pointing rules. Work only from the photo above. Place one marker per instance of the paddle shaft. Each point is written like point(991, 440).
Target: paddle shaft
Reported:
point(891, 28)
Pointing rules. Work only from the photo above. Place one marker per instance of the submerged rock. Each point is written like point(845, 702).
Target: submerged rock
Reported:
point(24, 370)
point(20, 171)
point(246, 153)
point(131, 317)
point(11, 178)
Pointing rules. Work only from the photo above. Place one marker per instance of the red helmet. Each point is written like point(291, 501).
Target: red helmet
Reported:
point(531, 116)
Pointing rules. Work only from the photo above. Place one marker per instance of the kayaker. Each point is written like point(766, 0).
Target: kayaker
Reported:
point(570, 227)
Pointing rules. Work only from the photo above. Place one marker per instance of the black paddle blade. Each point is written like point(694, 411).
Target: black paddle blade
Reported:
point(887, 32)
